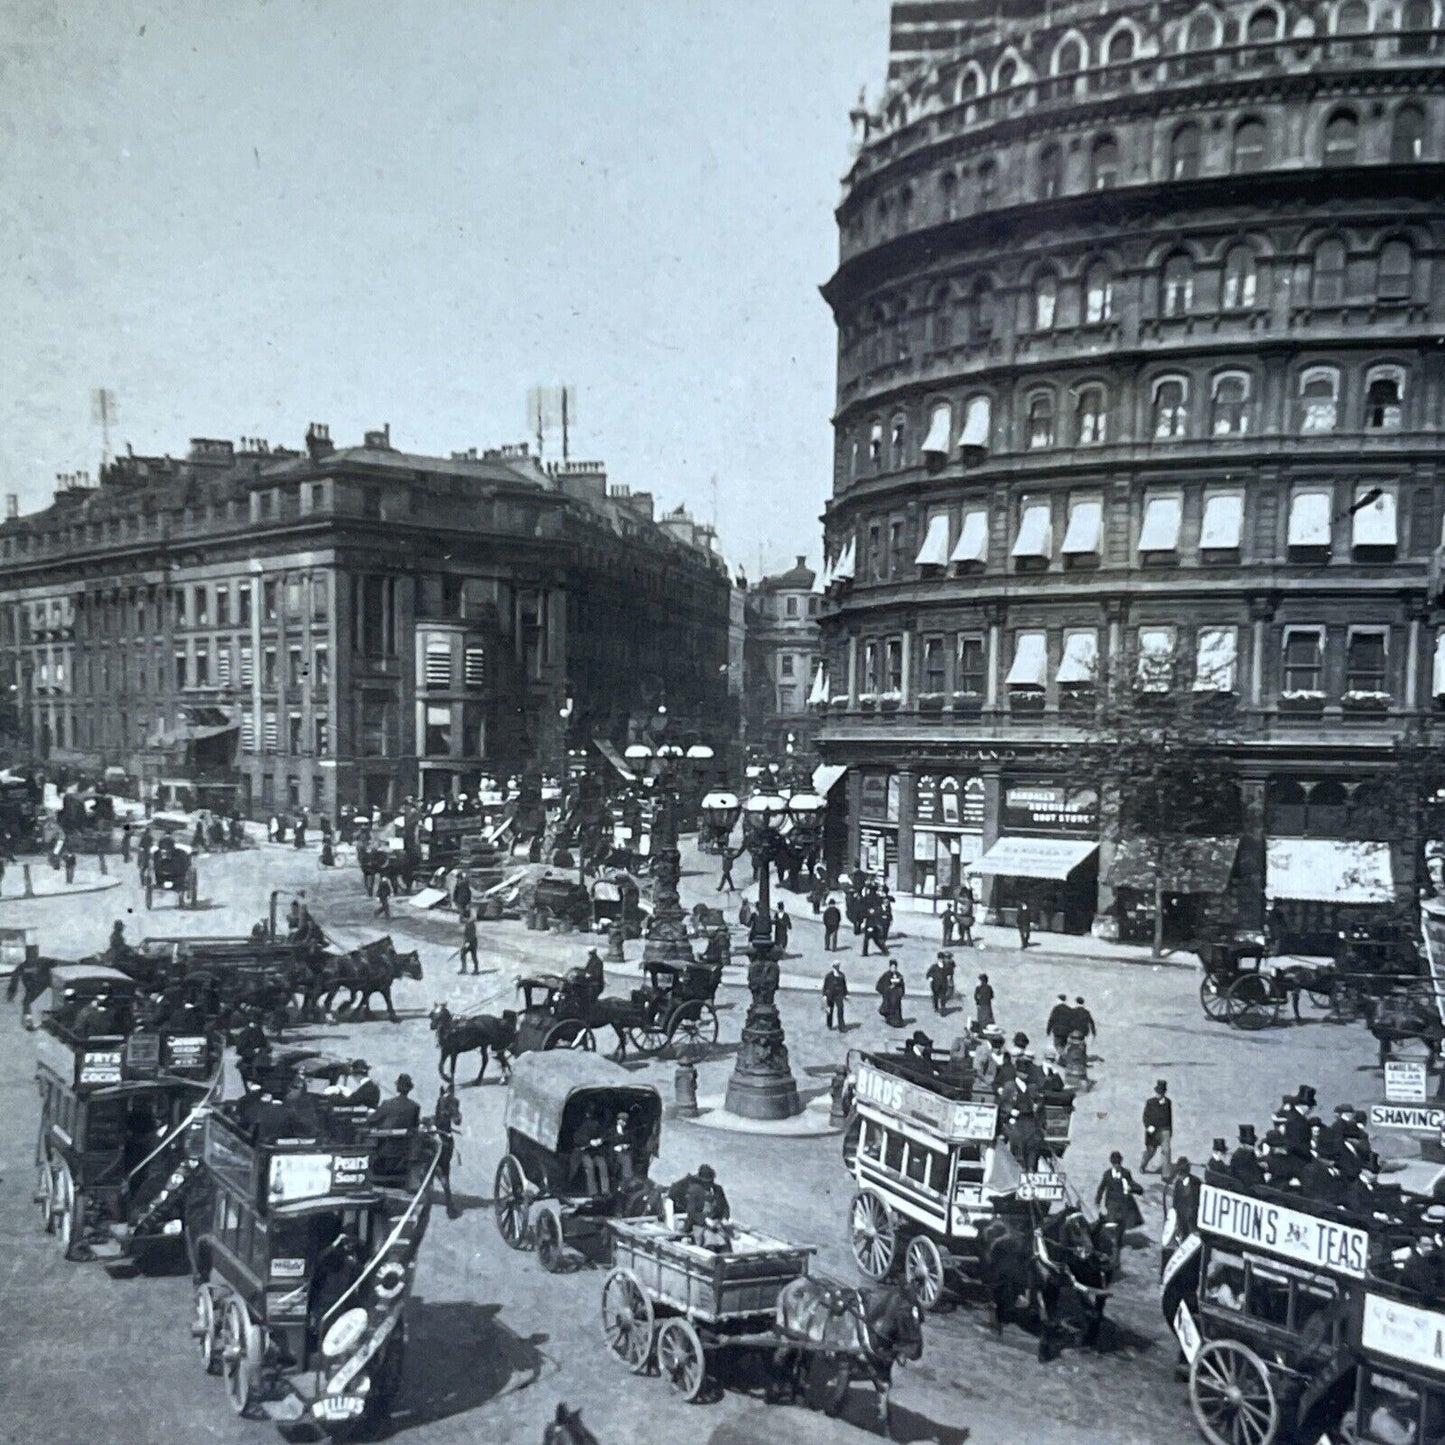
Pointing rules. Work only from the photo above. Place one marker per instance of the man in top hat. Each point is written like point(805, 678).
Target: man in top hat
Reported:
point(835, 996)
point(367, 1094)
point(1158, 1128)
point(940, 977)
point(1244, 1163)
point(1216, 1167)
point(1060, 1024)
point(1181, 1212)
point(1115, 1199)
point(1297, 1121)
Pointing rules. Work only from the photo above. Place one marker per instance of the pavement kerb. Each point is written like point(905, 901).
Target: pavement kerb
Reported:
point(66, 890)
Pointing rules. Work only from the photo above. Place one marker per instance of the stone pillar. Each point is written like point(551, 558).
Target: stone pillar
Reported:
point(995, 640)
point(852, 672)
point(1106, 923)
point(907, 677)
point(1249, 867)
point(907, 783)
point(1412, 662)
point(855, 812)
point(992, 829)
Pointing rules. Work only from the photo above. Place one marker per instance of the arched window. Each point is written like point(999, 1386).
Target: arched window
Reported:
point(987, 183)
point(1184, 152)
point(1104, 164)
point(1384, 398)
point(980, 312)
point(875, 445)
point(1090, 417)
point(1327, 285)
point(1171, 408)
point(1098, 294)
point(1176, 286)
point(1200, 37)
point(898, 443)
point(1008, 73)
point(1229, 404)
point(1050, 172)
point(1342, 139)
point(1045, 301)
point(1241, 281)
point(1121, 47)
point(1395, 280)
point(942, 317)
point(1353, 19)
point(1263, 25)
point(1407, 135)
point(968, 85)
point(1069, 57)
point(1041, 420)
point(1249, 146)
point(1319, 390)
point(1416, 21)
point(854, 452)
point(947, 194)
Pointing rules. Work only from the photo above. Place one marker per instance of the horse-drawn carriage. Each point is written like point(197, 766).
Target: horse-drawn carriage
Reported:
point(170, 867)
point(88, 821)
point(545, 1194)
point(1399, 1397)
point(116, 1102)
point(303, 1251)
point(940, 1192)
point(554, 1013)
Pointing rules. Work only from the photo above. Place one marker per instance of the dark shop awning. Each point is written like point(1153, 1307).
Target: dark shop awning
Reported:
point(1189, 865)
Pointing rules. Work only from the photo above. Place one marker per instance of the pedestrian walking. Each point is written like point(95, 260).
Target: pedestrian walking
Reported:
point(938, 981)
point(782, 927)
point(69, 860)
point(1181, 1210)
point(1115, 1199)
point(950, 918)
point(1024, 919)
point(964, 916)
point(469, 943)
point(832, 922)
point(383, 896)
point(298, 838)
point(1075, 1063)
point(725, 883)
point(1158, 1129)
point(835, 994)
point(745, 913)
point(873, 932)
point(462, 896)
point(983, 1003)
point(1060, 1024)
point(1084, 1020)
point(890, 989)
point(125, 844)
point(448, 1121)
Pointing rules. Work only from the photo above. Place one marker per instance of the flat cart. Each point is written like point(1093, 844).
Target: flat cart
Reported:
point(678, 1303)
point(1396, 1336)
point(541, 1190)
point(1259, 1298)
point(116, 1111)
point(303, 1252)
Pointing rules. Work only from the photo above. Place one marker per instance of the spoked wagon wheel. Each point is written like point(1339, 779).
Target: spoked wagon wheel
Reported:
point(1233, 1400)
point(1252, 1005)
point(240, 1356)
point(627, 1320)
point(509, 1203)
point(204, 1329)
point(694, 1027)
point(570, 1034)
point(45, 1194)
point(680, 1358)
point(649, 1037)
point(875, 1234)
point(69, 1210)
point(547, 1231)
point(923, 1269)
point(1212, 998)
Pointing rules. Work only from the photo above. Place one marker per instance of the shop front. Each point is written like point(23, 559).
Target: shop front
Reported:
point(948, 813)
point(1047, 855)
point(1315, 887)
point(878, 819)
point(1188, 876)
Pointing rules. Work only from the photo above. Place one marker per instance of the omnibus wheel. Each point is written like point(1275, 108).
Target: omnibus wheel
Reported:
point(69, 1210)
point(627, 1320)
point(874, 1234)
point(240, 1356)
point(45, 1194)
point(1212, 999)
point(204, 1329)
point(1231, 1395)
point(923, 1268)
point(681, 1360)
point(509, 1203)
point(547, 1231)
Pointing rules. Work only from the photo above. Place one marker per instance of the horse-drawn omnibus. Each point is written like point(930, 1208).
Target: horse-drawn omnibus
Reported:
point(116, 1105)
point(303, 1249)
point(1398, 1337)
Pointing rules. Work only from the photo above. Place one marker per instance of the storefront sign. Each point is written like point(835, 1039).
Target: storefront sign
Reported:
point(1049, 808)
point(1405, 1081)
point(875, 797)
point(1412, 1118)
point(1320, 1243)
point(1404, 1332)
point(950, 1119)
point(948, 801)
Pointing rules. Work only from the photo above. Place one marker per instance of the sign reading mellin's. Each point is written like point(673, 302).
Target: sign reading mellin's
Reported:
point(1321, 1243)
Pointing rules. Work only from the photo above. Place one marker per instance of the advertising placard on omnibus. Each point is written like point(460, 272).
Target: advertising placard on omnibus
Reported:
point(1324, 1244)
point(1403, 1332)
point(1412, 1118)
point(952, 1119)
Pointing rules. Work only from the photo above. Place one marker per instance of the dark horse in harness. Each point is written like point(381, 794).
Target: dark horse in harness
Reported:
point(1039, 1259)
point(457, 1036)
point(369, 970)
point(834, 1333)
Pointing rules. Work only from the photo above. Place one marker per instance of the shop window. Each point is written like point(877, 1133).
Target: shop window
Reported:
point(1365, 661)
point(970, 672)
point(1327, 278)
point(1050, 172)
point(1395, 275)
point(1045, 301)
point(1241, 279)
point(1303, 659)
point(1098, 294)
point(1104, 164)
point(1184, 152)
point(1384, 398)
point(1171, 408)
point(1090, 417)
point(1176, 286)
point(1319, 399)
point(1249, 138)
point(1041, 420)
point(1229, 405)
point(1342, 139)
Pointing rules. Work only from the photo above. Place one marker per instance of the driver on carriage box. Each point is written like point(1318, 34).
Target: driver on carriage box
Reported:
point(367, 1094)
point(700, 1207)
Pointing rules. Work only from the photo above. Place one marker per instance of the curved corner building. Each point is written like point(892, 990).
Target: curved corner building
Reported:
point(1139, 317)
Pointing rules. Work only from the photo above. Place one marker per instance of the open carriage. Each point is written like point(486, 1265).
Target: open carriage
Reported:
point(303, 1248)
point(170, 867)
point(542, 1194)
point(116, 1105)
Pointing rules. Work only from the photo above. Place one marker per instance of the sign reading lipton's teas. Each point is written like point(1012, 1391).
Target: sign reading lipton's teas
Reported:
point(1324, 1243)
point(952, 1119)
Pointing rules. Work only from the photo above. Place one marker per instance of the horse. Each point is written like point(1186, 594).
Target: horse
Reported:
point(567, 1429)
point(33, 976)
point(369, 970)
point(851, 1331)
point(1039, 1259)
point(456, 1036)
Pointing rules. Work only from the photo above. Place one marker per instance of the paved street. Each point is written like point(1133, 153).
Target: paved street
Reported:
point(496, 1343)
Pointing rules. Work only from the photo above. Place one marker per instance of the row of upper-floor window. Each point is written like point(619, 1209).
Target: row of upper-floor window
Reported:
point(1069, 59)
point(1220, 523)
point(300, 739)
point(1360, 662)
point(1320, 398)
point(1184, 281)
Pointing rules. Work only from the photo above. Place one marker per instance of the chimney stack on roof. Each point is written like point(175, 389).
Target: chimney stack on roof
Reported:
point(12, 506)
point(379, 441)
point(318, 441)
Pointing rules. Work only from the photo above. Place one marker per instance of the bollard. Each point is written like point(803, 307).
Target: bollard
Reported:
point(685, 1088)
point(29, 887)
point(100, 858)
point(837, 1113)
point(614, 945)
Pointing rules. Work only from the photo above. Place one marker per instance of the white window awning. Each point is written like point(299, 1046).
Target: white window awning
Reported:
point(843, 570)
point(1217, 662)
point(1036, 532)
point(1053, 858)
point(940, 429)
point(1325, 870)
point(1081, 658)
point(1375, 525)
point(972, 544)
point(826, 580)
point(1030, 660)
point(934, 551)
point(819, 692)
point(1081, 536)
point(1160, 531)
point(1223, 522)
point(1309, 519)
point(1437, 685)
point(826, 776)
point(976, 424)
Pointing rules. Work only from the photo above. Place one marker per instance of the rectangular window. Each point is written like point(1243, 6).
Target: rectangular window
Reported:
point(1216, 664)
point(1303, 659)
point(203, 667)
point(875, 552)
point(438, 666)
point(248, 666)
point(785, 665)
point(182, 679)
point(934, 551)
point(476, 666)
point(223, 605)
point(320, 598)
point(293, 597)
point(1156, 659)
point(1374, 524)
point(933, 667)
point(321, 667)
point(268, 601)
point(790, 608)
point(1223, 522)
point(893, 662)
point(1030, 661)
point(895, 548)
point(438, 741)
point(268, 731)
point(1079, 666)
point(1160, 529)
point(871, 682)
point(223, 664)
point(1309, 521)
point(323, 736)
point(787, 699)
point(243, 605)
point(969, 670)
point(294, 669)
point(200, 607)
point(293, 733)
point(972, 544)
point(1366, 661)
point(1035, 539)
point(268, 669)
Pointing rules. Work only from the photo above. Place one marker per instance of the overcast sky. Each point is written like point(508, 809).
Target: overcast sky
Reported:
point(244, 216)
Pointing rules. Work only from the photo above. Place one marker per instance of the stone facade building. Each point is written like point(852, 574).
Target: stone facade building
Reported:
point(1139, 313)
point(325, 626)
point(781, 663)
